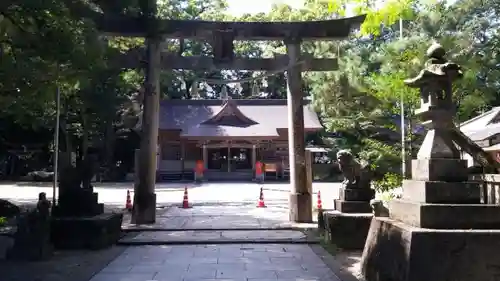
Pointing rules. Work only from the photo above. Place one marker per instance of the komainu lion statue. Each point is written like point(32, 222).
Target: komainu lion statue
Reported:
point(355, 174)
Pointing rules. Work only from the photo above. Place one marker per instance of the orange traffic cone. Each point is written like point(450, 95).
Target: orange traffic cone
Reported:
point(185, 201)
point(261, 203)
point(128, 203)
point(320, 205)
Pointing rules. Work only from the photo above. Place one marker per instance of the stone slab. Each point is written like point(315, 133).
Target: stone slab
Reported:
point(184, 237)
point(448, 170)
point(94, 232)
point(395, 251)
point(217, 262)
point(346, 231)
point(446, 216)
point(356, 194)
point(352, 206)
point(442, 192)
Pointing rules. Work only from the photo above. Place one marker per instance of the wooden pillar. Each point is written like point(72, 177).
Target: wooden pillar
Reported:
point(309, 171)
point(183, 155)
point(205, 156)
point(158, 156)
point(144, 210)
point(229, 158)
point(300, 202)
point(254, 156)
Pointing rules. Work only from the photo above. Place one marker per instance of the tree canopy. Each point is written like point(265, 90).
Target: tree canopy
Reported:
point(45, 48)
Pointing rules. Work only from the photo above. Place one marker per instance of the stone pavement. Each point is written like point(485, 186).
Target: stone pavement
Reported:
point(220, 237)
point(245, 262)
point(63, 266)
point(234, 215)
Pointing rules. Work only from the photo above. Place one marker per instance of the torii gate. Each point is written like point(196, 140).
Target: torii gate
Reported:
point(221, 36)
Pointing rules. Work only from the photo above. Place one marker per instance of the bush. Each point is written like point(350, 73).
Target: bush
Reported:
point(3, 221)
point(388, 182)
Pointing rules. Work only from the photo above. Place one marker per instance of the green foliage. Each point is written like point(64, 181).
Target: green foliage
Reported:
point(388, 182)
point(3, 221)
point(388, 12)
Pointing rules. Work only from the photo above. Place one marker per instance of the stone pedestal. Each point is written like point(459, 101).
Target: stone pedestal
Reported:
point(346, 230)
point(347, 226)
point(300, 207)
point(79, 221)
point(397, 251)
point(354, 200)
point(437, 231)
point(93, 232)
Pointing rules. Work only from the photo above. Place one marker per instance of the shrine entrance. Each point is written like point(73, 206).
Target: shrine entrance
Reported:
point(229, 159)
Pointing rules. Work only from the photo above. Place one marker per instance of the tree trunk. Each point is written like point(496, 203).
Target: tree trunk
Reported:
point(85, 137)
point(110, 138)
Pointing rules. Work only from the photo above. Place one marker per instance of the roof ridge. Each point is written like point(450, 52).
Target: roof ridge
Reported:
point(497, 108)
point(229, 108)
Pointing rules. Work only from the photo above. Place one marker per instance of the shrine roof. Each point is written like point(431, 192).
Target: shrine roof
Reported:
point(482, 126)
point(263, 117)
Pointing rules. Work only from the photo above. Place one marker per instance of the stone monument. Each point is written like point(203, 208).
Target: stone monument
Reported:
point(32, 238)
point(79, 219)
point(347, 226)
point(438, 230)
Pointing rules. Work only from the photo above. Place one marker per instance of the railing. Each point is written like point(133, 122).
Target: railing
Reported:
point(490, 187)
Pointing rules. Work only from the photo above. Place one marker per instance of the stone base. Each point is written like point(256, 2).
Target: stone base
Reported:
point(79, 203)
point(300, 207)
point(446, 216)
point(398, 252)
point(352, 206)
point(356, 194)
point(26, 253)
point(441, 169)
point(442, 192)
point(86, 232)
point(321, 218)
point(144, 209)
point(346, 231)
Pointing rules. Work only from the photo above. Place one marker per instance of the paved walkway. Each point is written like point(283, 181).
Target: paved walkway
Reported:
point(216, 236)
point(235, 215)
point(243, 262)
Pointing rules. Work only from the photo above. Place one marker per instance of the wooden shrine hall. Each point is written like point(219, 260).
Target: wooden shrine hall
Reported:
point(229, 136)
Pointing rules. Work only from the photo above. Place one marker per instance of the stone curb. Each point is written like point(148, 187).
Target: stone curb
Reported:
point(159, 229)
point(212, 242)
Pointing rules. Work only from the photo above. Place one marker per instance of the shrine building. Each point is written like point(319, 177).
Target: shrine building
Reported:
point(229, 136)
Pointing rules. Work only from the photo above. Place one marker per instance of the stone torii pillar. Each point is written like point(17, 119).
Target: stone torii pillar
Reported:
point(144, 209)
point(300, 201)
